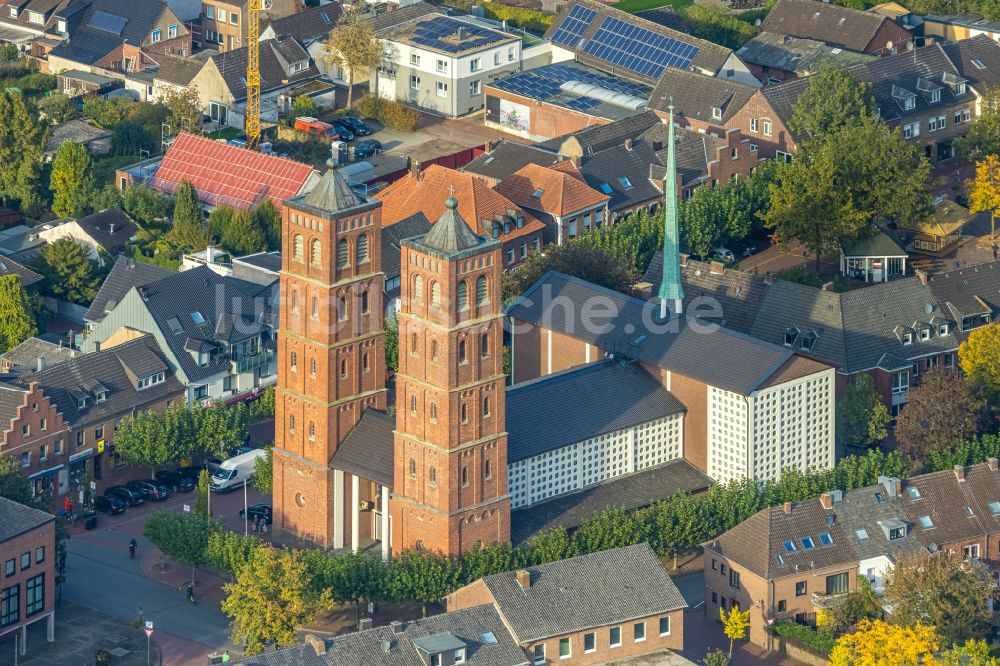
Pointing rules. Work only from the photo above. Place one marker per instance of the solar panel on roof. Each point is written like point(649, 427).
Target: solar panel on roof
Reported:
point(443, 34)
point(107, 22)
point(571, 30)
point(637, 49)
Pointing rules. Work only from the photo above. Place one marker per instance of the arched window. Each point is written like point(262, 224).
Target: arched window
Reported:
point(435, 294)
point(413, 468)
point(434, 351)
point(364, 302)
point(341, 309)
point(316, 253)
point(487, 472)
point(364, 362)
point(465, 414)
point(465, 476)
point(413, 405)
point(418, 289)
point(484, 345)
point(486, 405)
point(312, 368)
point(314, 307)
point(298, 248)
point(413, 344)
point(461, 351)
point(433, 477)
point(362, 249)
point(434, 413)
point(463, 295)
point(343, 368)
point(312, 431)
point(293, 361)
point(342, 256)
point(291, 423)
point(482, 294)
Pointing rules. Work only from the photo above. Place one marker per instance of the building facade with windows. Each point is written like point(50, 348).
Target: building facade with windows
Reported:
point(28, 578)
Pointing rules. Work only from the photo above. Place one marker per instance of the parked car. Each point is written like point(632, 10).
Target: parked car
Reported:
point(722, 254)
point(261, 511)
point(193, 472)
point(236, 471)
point(154, 491)
point(109, 504)
point(317, 128)
point(367, 148)
point(345, 131)
point(360, 127)
point(176, 481)
point(129, 496)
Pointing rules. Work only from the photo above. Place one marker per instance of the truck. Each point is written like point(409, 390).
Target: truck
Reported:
point(316, 128)
point(232, 473)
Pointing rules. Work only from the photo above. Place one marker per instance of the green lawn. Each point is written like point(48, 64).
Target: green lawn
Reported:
point(226, 133)
point(633, 6)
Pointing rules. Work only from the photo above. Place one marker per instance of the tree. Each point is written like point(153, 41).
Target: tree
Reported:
point(13, 484)
point(979, 357)
point(69, 272)
point(862, 418)
point(391, 327)
point(16, 321)
point(423, 577)
point(23, 136)
point(942, 591)
point(879, 644)
point(833, 99)
point(969, 653)
point(151, 438)
point(734, 625)
point(263, 471)
point(267, 218)
point(181, 536)
point(26, 186)
point(303, 105)
point(187, 232)
point(716, 658)
point(130, 138)
point(353, 45)
point(241, 235)
point(144, 204)
point(271, 597)
point(72, 179)
point(855, 606)
point(983, 133)
point(57, 107)
point(984, 191)
point(577, 258)
point(940, 411)
point(809, 205)
point(229, 552)
point(185, 109)
point(107, 197)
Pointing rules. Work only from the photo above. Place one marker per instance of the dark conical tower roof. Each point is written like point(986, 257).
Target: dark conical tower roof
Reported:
point(333, 192)
point(451, 233)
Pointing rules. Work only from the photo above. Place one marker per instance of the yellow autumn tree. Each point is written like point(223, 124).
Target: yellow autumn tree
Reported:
point(984, 191)
point(735, 625)
point(877, 643)
point(979, 357)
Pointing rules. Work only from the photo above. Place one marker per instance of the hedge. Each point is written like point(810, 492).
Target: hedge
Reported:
point(388, 112)
point(821, 641)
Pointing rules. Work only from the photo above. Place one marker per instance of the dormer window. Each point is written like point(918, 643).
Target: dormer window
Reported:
point(61, 25)
point(81, 403)
point(808, 341)
point(943, 329)
point(935, 96)
point(925, 334)
point(909, 103)
point(791, 335)
point(36, 17)
point(907, 338)
point(175, 325)
point(13, 12)
point(716, 113)
point(158, 378)
point(100, 397)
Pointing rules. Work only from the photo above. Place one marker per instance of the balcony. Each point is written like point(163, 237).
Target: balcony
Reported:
point(826, 601)
point(252, 362)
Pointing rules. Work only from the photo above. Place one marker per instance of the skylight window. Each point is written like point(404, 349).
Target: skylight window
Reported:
point(926, 522)
point(807, 543)
point(537, 193)
point(626, 183)
point(789, 546)
point(605, 188)
point(862, 534)
point(779, 559)
point(978, 63)
point(175, 325)
point(826, 539)
point(879, 498)
point(913, 492)
point(969, 512)
point(487, 638)
point(197, 318)
point(995, 508)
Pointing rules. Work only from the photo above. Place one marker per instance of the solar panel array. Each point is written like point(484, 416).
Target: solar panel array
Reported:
point(571, 30)
point(637, 49)
point(107, 22)
point(544, 84)
point(442, 33)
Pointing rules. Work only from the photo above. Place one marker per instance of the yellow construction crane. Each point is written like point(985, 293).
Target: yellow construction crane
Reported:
point(255, 7)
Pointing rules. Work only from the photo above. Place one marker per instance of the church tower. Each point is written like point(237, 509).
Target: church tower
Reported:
point(671, 291)
point(331, 353)
point(450, 442)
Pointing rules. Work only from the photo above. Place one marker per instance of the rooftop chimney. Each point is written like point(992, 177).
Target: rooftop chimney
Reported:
point(41, 363)
point(992, 462)
point(716, 268)
point(461, 34)
point(787, 506)
point(628, 144)
point(684, 259)
point(317, 644)
point(210, 253)
point(364, 623)
point(523, 578)
point(396, 626)
point(960, 472)
point(921, 275)
point(827, 286)
point(893, 486)
point(111, 228)
point(826, 499)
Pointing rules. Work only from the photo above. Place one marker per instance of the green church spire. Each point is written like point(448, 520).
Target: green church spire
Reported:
point(670, 285)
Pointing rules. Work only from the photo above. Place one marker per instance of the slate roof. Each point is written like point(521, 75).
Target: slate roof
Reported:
point(559, 193)
point(968, 290)
point(11, 398)
point(10, 267)
point(265, 261)
point(710, 57)
point(794, 54)
point(76, 130)
point(229, 175)
point(118, 370)
point(595, 590)
point(177, 70)
point(839, 26)
point(877, 244)
point(50, 8)
point(16, 519)
point(414, 225)
point(366, 648)
point(309, 25)
point(607, 168)
point(24, 357)
point(943, 497)
point(694, 95)
point(980, 48)
point(665, 16)
point(232, 66)
point(88, 44)
point(630, 492)
point(693, 153)
point(506, 157)
point(722, 358)
point(596, 138)
point(367, 450)
point(597, 399)
point(860, 509)
point(787, 305)
point(125, 274)
point(111, 228)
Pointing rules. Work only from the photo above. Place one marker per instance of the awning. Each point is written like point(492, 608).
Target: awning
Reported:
point(81, 455)
point(46, 472)
point(15, 36)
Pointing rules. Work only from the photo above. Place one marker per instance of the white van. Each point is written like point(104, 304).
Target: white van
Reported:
point(233, 472)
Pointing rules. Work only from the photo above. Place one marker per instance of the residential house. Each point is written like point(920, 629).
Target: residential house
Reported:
point(102, 234)
point(28, 553)
point(978, 61)
point(221, 174)
point(224, 22)
point(311, 28)
point(873, 256)
point(27, 276)
point(967, 296)
point(775, 58)
point(490, 213)
point(842, 27)
point(63, 427)
point(562, 201)
point(96, 139)
point(701, 103)
point(24, 21)
point(938, 234)
point(957, 27)
point(590, 609)
point(125, 274)
point(33, 355)
point(173, 74)
point(216, 333)
point(79, 84)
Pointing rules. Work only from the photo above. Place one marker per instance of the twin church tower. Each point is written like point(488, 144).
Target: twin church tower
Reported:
point(347, 474)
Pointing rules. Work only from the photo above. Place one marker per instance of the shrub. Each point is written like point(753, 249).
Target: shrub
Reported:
point(389, 113)
point(719, 27)
point(522, 17)
point(817, 640)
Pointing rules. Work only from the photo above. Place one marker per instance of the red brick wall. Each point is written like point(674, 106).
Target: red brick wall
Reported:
point(889, 32)
point(759, 108)
point(603, 652)
point(40, 537)
point(694, 395)
point(726, 165)
point(36, 410)
point(547, 120)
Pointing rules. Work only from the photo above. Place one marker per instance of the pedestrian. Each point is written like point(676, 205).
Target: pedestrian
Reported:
point(225, 657)
point(996, 249)
point(256, 525)
point(263, 529)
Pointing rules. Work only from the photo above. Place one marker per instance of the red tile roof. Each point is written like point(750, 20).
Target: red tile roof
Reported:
point(227, 175)
point(559, 193)
point(477, 202)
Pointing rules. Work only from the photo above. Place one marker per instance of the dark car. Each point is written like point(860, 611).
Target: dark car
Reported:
point(128, 496)
point(261, 511)
point(154, 491)
point(193, 473)
point(176, 481)
point(367, 148)
point(345, 131)
point(109, 504)
point(359, 127)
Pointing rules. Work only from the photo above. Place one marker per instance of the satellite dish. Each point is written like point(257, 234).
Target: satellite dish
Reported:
point(933, 548)
point(888, 45)
point(928, 308)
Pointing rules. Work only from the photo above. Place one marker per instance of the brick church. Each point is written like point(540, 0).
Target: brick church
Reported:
point(630, 417)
